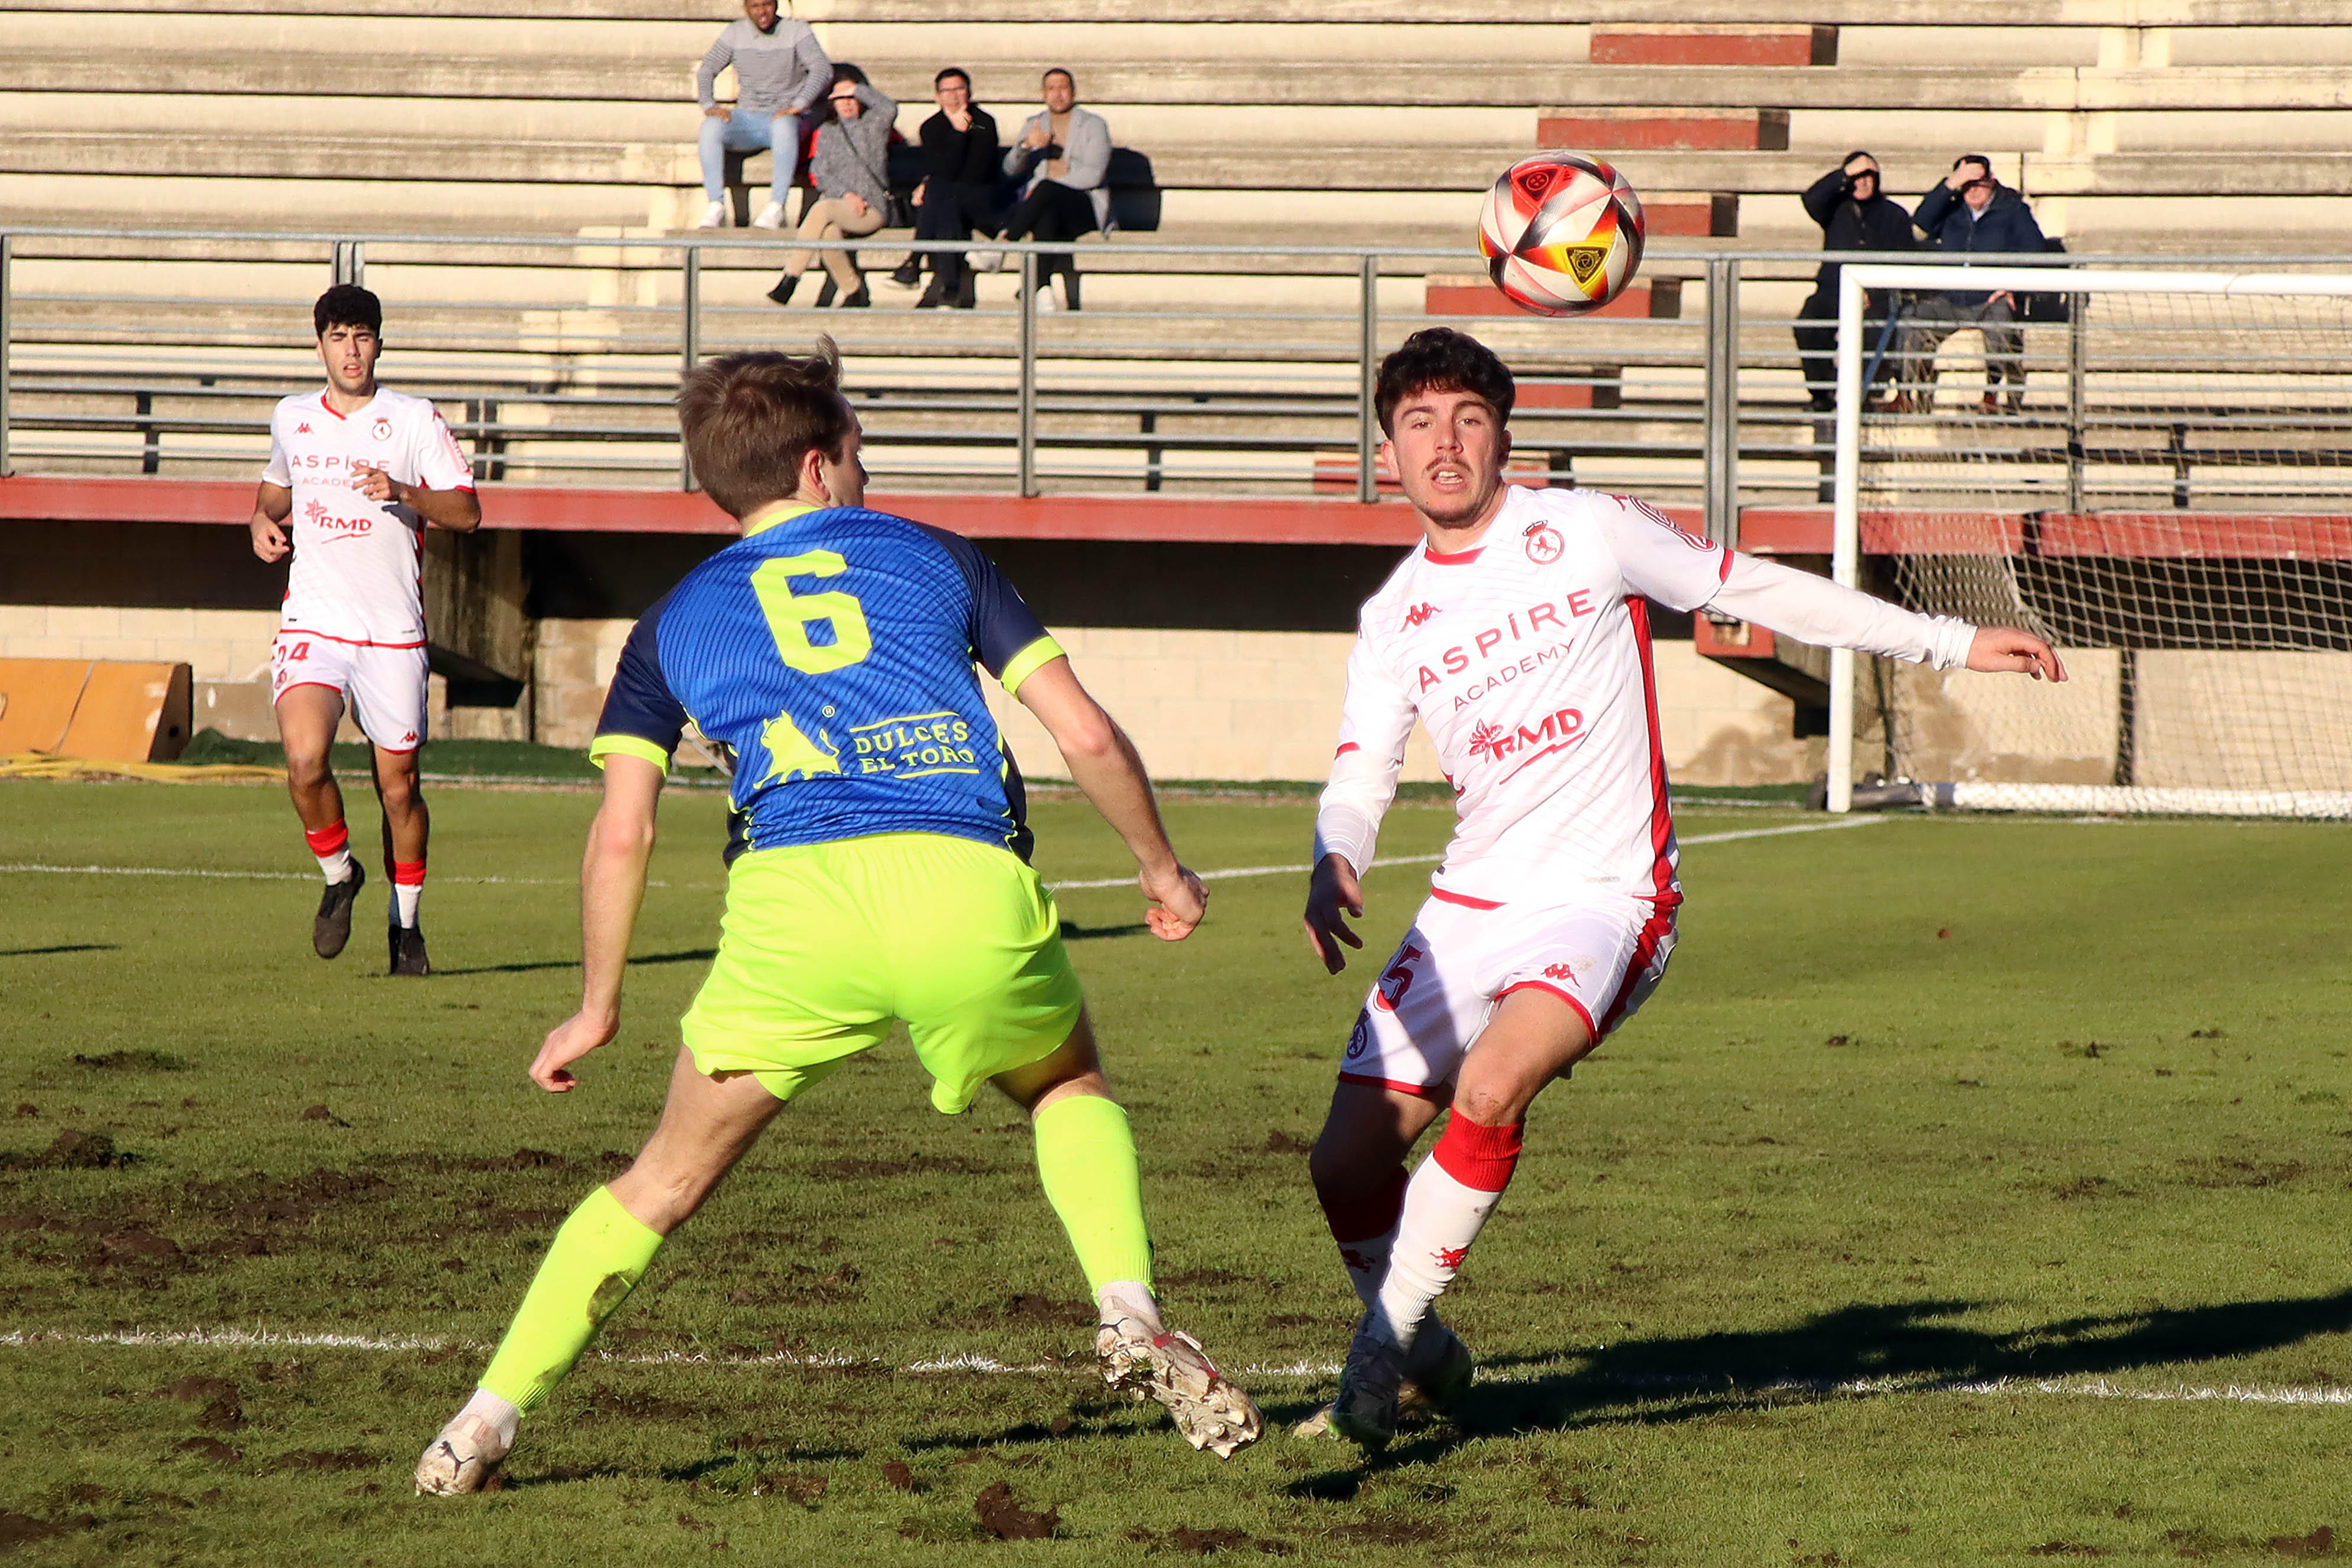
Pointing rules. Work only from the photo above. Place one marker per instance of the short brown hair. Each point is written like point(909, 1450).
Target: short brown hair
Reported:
point(1447, 361)
point(748, 419)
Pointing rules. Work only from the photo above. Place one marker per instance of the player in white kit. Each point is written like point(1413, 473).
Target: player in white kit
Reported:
point(1518, 635)
point(355, 474)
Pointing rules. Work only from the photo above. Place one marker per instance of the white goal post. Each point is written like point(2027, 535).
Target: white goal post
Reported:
point(2158, 477)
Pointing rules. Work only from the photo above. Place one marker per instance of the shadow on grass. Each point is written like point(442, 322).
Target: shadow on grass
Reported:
point(1072, 932)
point(1859, 1351)
point(690, 955)
point(96, 947)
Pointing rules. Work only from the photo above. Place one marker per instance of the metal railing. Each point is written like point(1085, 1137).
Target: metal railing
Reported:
point(1214, 367)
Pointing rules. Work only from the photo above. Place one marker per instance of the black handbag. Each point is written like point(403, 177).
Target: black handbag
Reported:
point(2043, 307)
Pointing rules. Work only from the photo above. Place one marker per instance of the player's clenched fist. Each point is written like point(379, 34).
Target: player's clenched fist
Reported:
point(565, 1044)
point(1332, 894)
point(1179, 900)
point(269, 538)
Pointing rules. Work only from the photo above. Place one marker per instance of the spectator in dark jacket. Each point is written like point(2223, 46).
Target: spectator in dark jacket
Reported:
point(959, 189)
point(1854, 215)
point(1971, 211)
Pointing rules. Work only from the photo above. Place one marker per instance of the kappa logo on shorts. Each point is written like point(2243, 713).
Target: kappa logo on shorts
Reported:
point(1544, 544)
point(1359, 1041)
point(409, 739)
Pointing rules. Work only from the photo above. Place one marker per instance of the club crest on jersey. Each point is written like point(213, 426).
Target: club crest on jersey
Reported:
point(1544, 544)
point(1419, 614)
point(382, 430)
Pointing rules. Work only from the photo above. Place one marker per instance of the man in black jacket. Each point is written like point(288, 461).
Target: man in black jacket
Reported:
point(959, 189)
point(1854, 215)
point(1971, 211)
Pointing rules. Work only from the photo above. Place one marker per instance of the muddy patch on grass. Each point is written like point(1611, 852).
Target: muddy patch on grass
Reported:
point(1193, 1542)
point(133, 1061)
point(1389, 1529)
point(1006, 1520)
point(211, 1449)
point(326, 1459)
point(1280, 1143)
point(857, 1169)
point(2232, 1172)
point(72, 1150)
point(23, 1530)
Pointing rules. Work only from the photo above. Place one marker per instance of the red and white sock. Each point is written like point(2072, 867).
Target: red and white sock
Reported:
point(407, 888)
point(1445, 1204)
point(333, 846)
point(1366, 1227)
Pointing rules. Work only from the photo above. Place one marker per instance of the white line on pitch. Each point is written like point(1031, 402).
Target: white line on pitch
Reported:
point(31, 867)
point(1659, 1386)
point(1430, 859)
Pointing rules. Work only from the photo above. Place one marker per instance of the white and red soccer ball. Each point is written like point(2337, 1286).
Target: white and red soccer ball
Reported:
point(1561, 234)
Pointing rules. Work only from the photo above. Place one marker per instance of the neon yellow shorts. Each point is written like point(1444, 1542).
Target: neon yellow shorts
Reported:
point(823, 945)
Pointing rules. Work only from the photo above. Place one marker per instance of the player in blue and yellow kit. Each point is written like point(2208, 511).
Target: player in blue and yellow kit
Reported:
point(877, 872)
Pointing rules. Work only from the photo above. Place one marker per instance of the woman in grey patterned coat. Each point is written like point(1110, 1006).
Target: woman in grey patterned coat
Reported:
point(851, 170)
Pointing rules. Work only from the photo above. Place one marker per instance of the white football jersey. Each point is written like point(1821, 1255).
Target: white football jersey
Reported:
point(1528, 659)
point(356, 571)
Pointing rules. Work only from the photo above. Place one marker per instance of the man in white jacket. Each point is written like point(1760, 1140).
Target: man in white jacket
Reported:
point(1518, 634)
point(1063, 154)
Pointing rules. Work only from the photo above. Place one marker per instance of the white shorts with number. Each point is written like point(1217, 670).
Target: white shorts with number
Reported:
point(387, 683)
point(1602, 954)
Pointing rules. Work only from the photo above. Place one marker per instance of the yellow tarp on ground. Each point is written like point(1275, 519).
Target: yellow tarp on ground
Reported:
point(33, 766)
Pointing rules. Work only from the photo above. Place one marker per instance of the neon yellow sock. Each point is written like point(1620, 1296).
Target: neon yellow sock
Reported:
point(1085, 1157)
point(594, 1261)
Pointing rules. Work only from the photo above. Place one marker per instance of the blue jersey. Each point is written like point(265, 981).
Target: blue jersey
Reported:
point(831, 651)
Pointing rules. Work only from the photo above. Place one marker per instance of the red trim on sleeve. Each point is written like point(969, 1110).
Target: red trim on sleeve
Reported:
point(1725, 574)
point(1590, 1032)
point(1439, 1093)
point(1464, 899)
point(1345, 747)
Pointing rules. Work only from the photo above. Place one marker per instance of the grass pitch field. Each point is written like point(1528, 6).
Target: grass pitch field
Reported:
point(1972, 1191)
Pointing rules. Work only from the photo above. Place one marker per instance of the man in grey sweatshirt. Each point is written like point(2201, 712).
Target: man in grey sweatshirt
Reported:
point(780, 71)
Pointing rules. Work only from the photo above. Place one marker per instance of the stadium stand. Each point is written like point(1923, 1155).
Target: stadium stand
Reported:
point(2147, 126)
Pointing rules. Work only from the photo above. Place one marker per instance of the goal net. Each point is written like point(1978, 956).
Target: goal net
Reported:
point(2153, 471)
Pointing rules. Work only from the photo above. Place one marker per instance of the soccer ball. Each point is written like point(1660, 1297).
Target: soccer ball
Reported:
point(1561, 234)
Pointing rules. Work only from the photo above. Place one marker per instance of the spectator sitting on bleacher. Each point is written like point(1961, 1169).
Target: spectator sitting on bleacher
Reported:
point(1064, 156)
point(851, 169)
point(780, 71)
point(1854, 215)
point(1971, 211)
point(959, 189)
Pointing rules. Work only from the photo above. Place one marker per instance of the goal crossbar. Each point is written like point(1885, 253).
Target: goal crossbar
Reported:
point(1856, 280)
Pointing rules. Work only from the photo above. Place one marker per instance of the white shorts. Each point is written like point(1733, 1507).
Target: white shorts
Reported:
point(1603, 955)
point(386, 684)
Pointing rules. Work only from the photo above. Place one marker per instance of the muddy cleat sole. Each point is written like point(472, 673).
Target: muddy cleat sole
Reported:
point(408, 950)
point(461, 1459)
point(332, 928)
point(1209, 1412)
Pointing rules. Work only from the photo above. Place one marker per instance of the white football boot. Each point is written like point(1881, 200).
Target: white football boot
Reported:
point(1171, 1368)
point(770, 216)
point(462, 1458)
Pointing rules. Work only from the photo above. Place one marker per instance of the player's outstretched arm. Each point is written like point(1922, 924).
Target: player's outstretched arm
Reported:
point(1104, 766)
point(1815, 610)
point(272, 507)
point(612, 886)
point(1332, 894)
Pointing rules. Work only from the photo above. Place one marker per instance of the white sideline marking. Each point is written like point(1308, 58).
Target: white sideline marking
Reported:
point(439, 881)
point(2076, 1388)
point(283, 875)
point(1431, 859)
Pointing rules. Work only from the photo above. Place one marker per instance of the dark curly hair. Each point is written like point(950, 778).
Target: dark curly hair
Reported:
point(1449, 361)
point(348, 305)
